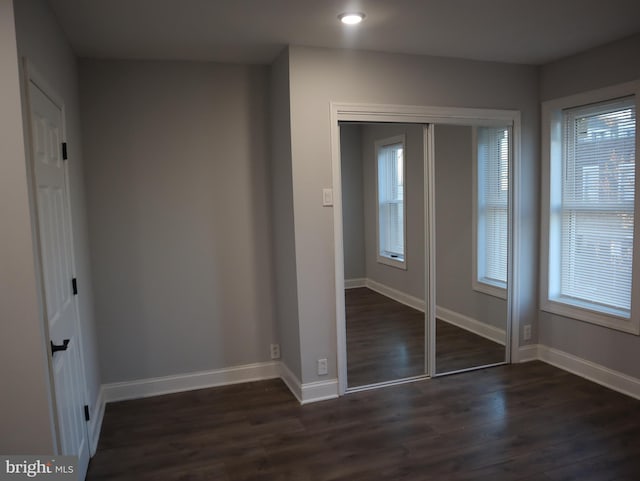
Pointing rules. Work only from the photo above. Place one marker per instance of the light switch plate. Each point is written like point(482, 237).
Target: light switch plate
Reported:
point(327, 197)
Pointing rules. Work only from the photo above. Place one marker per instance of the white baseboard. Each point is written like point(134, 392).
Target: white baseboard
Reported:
point(319, 391)
point(120, 391)
point(396, 295)
point(528, 353)
point(291, 381)
point(590, 370)
point(353, 283)
point(95, 424)
point(472, 325)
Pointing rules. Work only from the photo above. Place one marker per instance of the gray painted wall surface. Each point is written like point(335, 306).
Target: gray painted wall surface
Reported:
point(352, 201)
point(454, 229)
point(25, 414)
point(319, 76)
point(284, 248)
point(41, 40)
point(179, 215)
point(608, 65)
point(411, 280)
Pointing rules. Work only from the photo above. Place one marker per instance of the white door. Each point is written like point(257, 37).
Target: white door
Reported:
point(54, 232)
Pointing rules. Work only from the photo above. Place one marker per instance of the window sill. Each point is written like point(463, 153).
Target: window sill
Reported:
point(490, 289)
point(585, 314)
point(398, 264)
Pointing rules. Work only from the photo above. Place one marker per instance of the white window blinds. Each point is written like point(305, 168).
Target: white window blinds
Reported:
point(596, 209)
point(391, 201)
point(492, 205)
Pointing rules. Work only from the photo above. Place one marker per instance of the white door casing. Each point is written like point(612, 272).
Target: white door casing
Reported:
point(51, 197)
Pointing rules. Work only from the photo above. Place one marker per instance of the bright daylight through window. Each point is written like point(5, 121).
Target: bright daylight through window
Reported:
point(492, 210)
point(591, 209)
point(391, 201)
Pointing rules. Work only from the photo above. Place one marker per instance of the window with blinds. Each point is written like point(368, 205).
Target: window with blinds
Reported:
point(391, 201)
point(492, 207)
point(592, 208)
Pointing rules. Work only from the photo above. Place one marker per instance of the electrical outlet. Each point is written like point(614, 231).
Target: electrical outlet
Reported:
point(526, 332)
point(322, 367)
point(275, 351)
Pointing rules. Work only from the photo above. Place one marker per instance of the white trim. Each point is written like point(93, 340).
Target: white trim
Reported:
point(470, 324)
point(291, 381)
point(95, 424)
point(141, 388)
point(590, 370)
point(528, 353)
point(355, 283)
point(395, 294)
point(551, 147)
point(319, 391)
point(340, 111)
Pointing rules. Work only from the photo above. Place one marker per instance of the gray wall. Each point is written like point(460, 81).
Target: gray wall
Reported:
point(601, 67)
point(319, 76)
point(284, 248)
point(44, 44)
point(25, 414)
point(411, 280)
point(178, 194)
point(454, 229)
point(352, 201)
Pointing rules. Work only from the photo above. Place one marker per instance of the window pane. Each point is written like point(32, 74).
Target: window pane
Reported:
point(493, 200)
point(391, 200)
point(597, 205)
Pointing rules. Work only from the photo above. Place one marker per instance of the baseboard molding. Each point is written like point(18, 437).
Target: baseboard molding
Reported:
point(291, 381)
point(472, 325)
point(142, 388)
point(590, 370)
point(528, 353)
point(95, 424)
point(319, 391)
point(396, 295)
point(354, 283)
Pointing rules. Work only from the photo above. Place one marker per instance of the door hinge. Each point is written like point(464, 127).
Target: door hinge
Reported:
point(74, 286)
point(86, 413)
point(64, 151)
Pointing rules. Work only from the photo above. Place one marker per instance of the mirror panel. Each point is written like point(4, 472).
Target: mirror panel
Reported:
point(383, 239)
point(471, 233)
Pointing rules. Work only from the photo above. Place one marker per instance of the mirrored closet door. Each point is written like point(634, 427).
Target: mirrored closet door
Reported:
point(384, 253)
point(471, 165)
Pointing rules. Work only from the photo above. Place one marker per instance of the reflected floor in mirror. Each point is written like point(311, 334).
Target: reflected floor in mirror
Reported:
point(385, 341)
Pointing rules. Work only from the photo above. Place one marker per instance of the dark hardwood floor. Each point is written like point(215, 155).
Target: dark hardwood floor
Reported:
point(460, 349)
point(527, 422)
point(385, 341)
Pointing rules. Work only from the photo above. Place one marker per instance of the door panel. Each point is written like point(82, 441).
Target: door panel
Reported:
point(54, 232)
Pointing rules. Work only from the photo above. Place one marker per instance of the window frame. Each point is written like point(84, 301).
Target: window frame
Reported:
point(478, 284)
point(379, 144)
point(552, 148)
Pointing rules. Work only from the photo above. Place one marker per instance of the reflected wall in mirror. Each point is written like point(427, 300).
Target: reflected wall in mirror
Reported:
point(471, 232)
point(383, 238)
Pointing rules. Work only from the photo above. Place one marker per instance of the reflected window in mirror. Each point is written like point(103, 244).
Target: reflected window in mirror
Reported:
point(491, 209)
point(390, 170)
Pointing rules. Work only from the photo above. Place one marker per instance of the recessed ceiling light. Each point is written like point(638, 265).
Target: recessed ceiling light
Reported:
point(352, 18)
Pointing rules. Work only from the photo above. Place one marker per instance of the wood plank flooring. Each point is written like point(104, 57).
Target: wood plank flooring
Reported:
point(526, 422)
point(385, 341)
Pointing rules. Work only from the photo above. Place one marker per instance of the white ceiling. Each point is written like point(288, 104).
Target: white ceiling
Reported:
point(254, 31)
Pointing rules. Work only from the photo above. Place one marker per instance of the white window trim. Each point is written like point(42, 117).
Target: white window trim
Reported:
point(552, 146)
point(477, 284)
point(382, 259)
